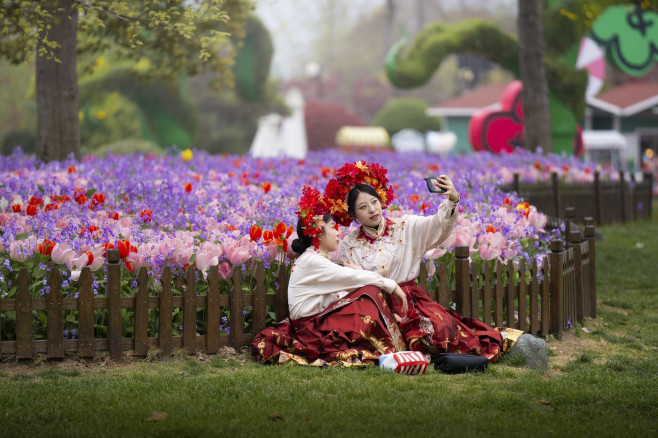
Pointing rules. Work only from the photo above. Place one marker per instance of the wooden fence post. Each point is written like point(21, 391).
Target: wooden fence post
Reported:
point(189, 311)
point(212, 304)
point(591, 241)
point(141, 313)
point(556, 193)
point(510, 295)
point(575, 240)
point(236, 323)
point(114, 303)
point(86, 315)
point(486, 294)
point(649, 201)
point(534, 299)
point(282, 310)
point(516, 186)
point(545, 300)
point(258, 311)
point(462, 284)
point(24, 316)
point(523, 290)
point(422, 276)
point(634, 197)
point(556, 299)
point(570, 214)
point(498, 294)
point(442, 289)
point(166, 312)
point(54, 307)
point(622, 192)
point(475, 292)
point(597, 197)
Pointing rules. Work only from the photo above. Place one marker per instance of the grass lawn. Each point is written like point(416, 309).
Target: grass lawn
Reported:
point(601, 382)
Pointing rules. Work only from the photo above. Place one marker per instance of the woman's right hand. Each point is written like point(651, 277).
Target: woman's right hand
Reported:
point(399, 293)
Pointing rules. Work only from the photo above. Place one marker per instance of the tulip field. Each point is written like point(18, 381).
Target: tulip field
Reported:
point(218, 212)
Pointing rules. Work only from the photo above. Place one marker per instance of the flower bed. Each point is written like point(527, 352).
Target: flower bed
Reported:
point(202, 210)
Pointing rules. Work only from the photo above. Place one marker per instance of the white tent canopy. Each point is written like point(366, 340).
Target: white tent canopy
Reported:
point(599, 140)
point(605, 147)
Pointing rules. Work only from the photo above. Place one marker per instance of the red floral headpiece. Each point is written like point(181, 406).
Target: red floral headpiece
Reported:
point(312, 208)
point(350, 175)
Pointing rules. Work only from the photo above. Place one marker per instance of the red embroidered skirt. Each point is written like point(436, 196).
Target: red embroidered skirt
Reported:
point(356, 329)
point(431, 328)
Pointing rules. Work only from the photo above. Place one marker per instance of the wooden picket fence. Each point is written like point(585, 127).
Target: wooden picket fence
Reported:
point(606, 201)
point(556, 293)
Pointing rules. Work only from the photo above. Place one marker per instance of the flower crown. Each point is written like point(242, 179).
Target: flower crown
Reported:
point(312, 206)
point(350, 175)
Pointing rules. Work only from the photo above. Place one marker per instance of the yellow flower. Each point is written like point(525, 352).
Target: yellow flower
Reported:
point(187, 155)
point(100, 114)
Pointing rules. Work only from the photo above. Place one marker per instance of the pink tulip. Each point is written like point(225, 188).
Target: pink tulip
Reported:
point(491, 245)
point(20, 251)
point(61, 254)
point(225, 271)
point(435, 253)
point(204, 260)
point(431, 268)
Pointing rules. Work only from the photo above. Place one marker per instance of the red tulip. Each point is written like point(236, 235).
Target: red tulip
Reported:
point(46, 248)
point(35, 200)
point(124, 248)
point(267, 236)
point(31, 210)
point(98, 198)
point(255, 232)
point(266, 187)
point(280, 229)
point(90, 256)
point(146, 215)
point(72, 169)
point(16, 208)
point(188, 187)
point(291, 230)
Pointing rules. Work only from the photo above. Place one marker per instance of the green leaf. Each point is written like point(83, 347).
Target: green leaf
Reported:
point(90, 193)
point(22, 236)
point(41, 189)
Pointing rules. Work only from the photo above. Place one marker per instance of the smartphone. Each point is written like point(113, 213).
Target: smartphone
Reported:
point(431, 187)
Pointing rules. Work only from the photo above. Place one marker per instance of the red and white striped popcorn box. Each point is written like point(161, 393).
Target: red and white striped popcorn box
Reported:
point(404, 362)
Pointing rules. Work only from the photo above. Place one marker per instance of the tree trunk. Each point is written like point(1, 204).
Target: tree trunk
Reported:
point(536, 107)
point(388, 33)
point(58, 125)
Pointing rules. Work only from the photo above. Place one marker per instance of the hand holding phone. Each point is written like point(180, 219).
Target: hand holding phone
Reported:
point(433, 185)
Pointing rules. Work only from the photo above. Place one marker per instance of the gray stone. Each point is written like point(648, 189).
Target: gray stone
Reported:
point(532, 350)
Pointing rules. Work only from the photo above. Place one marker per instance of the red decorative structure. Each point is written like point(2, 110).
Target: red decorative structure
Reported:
point(501, 130)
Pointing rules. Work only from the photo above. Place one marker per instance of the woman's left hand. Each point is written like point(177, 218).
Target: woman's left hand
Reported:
point(350, 265)
point(444, 182)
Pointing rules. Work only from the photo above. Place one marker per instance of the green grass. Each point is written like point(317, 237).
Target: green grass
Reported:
point(600, 383)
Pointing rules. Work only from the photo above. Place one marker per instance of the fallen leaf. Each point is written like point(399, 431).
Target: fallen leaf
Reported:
point(157, 416)
point(545, 403)
point(275, 417)
point(307, 420)
point(585, 329)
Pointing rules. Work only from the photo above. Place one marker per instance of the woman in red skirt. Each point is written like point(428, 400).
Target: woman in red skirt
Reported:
point(338, 314)
point(394, 249)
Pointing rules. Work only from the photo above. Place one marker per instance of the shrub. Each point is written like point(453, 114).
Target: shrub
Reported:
point(25, 138)
point(403, 113)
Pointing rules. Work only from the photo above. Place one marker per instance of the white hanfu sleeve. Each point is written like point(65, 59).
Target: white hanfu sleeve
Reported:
point(323, 276)
point(427, 232)
point(316, 282)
